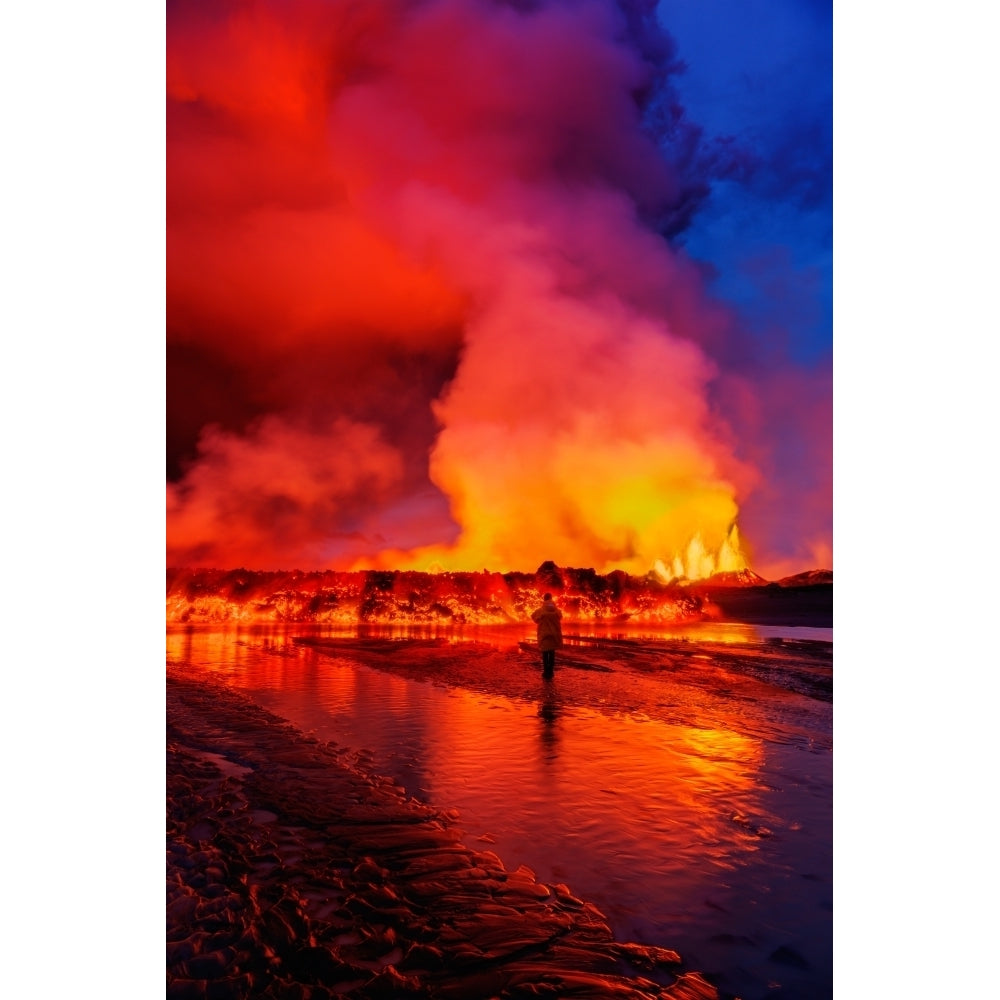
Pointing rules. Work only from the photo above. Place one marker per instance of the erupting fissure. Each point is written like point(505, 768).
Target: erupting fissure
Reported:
point(697, 563)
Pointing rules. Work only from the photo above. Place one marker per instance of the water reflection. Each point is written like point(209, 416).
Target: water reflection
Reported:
point(548, 713)
point(278, 634)
point(707, 840)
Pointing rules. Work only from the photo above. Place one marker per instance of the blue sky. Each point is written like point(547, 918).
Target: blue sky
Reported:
point(761, 73)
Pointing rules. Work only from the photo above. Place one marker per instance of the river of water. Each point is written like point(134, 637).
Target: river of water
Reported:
point(715, 841)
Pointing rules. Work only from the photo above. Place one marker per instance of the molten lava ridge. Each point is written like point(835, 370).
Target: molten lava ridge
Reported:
point(413, 597)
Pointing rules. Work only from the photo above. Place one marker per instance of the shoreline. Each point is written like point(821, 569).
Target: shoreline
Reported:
point(293, 871)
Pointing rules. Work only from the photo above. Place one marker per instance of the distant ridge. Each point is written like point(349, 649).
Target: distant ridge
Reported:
point(805, 599)
point(737, 578)
point(810, 578)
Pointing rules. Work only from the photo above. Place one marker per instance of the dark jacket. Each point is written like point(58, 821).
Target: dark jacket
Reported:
point(549, 629)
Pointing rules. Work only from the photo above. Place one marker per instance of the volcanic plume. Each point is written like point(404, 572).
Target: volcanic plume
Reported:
point(423, 307)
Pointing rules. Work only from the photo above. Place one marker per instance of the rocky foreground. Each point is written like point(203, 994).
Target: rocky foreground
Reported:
point(292, 872)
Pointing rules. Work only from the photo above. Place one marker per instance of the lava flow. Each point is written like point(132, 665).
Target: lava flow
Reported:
point(412, 597)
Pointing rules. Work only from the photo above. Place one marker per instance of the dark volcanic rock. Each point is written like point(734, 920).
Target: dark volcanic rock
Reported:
point(810, 578)
point(771, 604)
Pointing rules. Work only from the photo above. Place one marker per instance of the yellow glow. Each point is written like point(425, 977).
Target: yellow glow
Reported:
point(628, 507)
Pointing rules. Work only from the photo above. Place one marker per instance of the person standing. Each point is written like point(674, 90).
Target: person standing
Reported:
point(547, 618)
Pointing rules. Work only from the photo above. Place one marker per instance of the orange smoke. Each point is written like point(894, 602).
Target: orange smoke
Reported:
point(361, 189)
point(315, 479)
point(576, 429)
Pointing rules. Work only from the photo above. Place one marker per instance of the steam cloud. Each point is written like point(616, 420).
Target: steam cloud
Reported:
point(421, 311)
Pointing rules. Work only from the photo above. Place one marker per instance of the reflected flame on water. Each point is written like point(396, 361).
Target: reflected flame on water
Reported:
point(276, 637)
point(572, 774)
point(664, 826)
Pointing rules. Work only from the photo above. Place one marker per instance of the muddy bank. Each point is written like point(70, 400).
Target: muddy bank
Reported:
point(292, 871)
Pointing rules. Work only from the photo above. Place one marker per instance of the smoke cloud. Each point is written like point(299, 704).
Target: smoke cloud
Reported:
point(421, 311)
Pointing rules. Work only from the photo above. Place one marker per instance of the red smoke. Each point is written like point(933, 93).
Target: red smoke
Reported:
point(408, 241)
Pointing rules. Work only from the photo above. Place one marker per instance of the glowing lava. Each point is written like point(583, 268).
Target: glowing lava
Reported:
point(415, 598)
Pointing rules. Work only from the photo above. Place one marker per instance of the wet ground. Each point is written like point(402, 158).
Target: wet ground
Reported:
point(678, 784)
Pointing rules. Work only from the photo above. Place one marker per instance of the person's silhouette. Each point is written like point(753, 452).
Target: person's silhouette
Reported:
point(547, 618)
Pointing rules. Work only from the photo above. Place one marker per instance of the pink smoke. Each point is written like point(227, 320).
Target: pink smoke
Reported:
point(416, 233)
